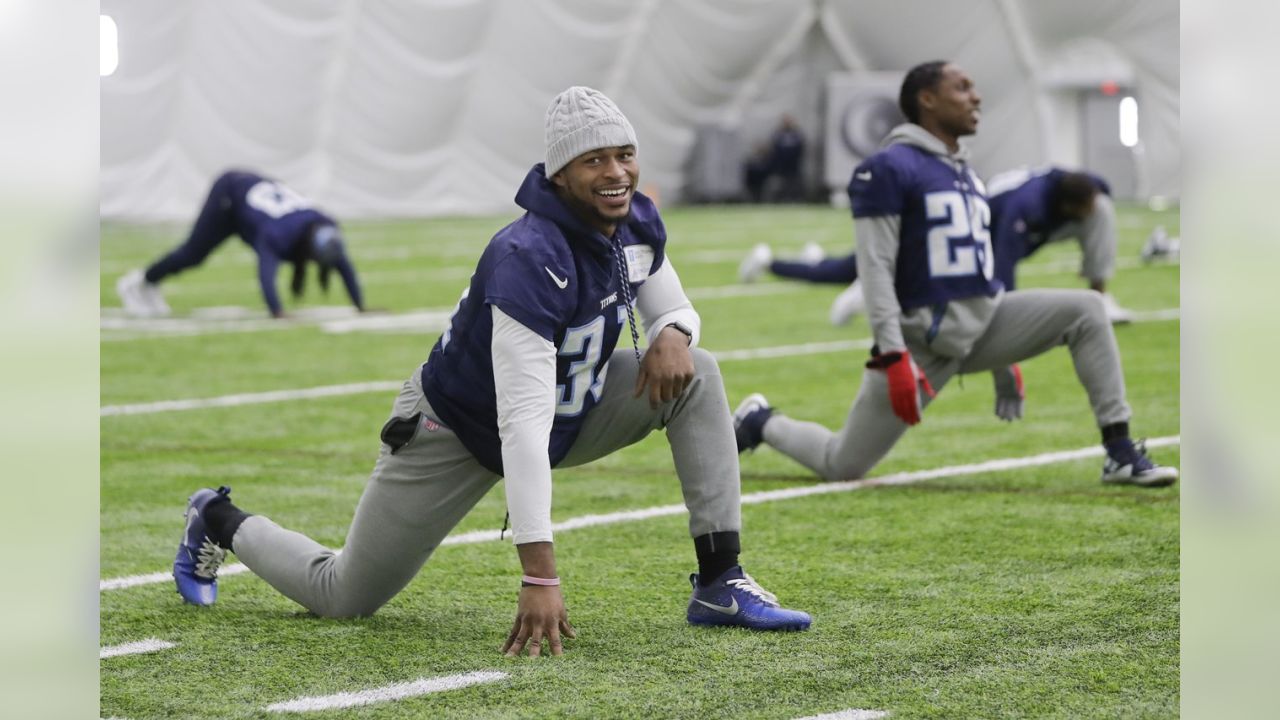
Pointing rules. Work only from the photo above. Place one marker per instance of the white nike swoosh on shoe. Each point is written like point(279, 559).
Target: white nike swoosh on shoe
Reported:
point(866, 175)
point(562, 284)
point(730, 609)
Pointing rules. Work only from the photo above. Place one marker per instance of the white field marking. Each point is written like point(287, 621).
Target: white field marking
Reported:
point(1157, 315)
point(118, 326)
point(211, 321)
point(420, 321)
point(149, 645)
point(850, 714)
point(585, 521)
point(252, 398)
point(399, 691)
point(776, 351)
point(387, 385)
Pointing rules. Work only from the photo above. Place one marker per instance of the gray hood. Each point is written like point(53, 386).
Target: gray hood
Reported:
point(912, 134)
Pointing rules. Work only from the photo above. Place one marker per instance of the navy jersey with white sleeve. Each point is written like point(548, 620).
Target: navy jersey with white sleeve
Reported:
point(557, 277)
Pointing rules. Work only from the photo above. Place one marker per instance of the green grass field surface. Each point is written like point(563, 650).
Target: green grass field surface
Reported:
point(1035, 592)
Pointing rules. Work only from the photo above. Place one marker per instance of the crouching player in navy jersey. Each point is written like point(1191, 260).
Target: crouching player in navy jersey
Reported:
point(279, 224)
point(937, 306)
point(525, 379)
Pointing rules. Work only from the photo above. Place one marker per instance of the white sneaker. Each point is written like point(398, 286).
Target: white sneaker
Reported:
point(812, 253)
point(847, 304)
point(1116, 314)
point(129, 288)
point(139, 297)
point(1159, 246)
point(1134, 467)
point(154, 299)
point(755, 263)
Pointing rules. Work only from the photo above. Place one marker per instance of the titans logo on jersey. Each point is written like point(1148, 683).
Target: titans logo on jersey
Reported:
point(944, 250)
point(559, 278)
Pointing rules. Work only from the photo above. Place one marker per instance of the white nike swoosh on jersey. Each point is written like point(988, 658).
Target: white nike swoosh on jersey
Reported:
point(562, 284)
point(731, 609)
point(863, 175)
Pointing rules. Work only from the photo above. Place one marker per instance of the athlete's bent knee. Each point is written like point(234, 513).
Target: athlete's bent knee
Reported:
point(704, 363)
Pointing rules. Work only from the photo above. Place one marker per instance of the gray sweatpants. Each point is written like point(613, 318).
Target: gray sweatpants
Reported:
point(1097, 235)
point(419, 492)
point(1026, 324)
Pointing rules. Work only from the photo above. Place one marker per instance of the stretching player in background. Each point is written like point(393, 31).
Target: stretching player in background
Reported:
point(279, 224)
point(524, 380)
point(1029, 209)
point(936, 306)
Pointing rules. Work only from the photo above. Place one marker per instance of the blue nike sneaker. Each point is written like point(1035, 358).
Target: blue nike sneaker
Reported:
point(1128, 464)
point(736, 599)
point(748, 421)
point(195, 568)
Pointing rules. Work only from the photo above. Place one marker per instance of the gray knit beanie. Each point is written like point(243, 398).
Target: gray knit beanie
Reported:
point(581, 120)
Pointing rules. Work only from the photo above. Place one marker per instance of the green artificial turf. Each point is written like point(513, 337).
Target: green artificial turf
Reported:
point(1034, 592)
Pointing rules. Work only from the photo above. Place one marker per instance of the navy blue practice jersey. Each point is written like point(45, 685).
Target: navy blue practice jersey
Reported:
point(269, 215)
point(944, 250)
point(558, 277)
point(1024, 216)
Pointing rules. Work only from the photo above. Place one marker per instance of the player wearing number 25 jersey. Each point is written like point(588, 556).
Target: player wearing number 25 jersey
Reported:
point(279, 224)
point(936, 306)
point(944, 240)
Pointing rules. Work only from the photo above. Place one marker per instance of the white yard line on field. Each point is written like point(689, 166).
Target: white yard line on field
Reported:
point(398, 691)
point(850, 714)
point(585, 521)
point(238, 399)
point(117, 327)
point(149, 645)
point(252, 398)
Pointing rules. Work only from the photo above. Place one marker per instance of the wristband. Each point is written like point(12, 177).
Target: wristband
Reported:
point(544, 582)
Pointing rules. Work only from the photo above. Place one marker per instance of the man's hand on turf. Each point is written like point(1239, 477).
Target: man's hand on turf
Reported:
point(667, 367)
point(540, 615)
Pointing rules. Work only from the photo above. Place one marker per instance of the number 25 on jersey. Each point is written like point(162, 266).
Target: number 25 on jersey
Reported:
point(960, 245)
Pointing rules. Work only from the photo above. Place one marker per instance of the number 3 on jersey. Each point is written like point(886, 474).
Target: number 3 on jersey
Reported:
point(582, 377)
point(950, 252)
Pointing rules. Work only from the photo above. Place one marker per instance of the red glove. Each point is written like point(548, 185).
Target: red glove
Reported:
point(905, 378)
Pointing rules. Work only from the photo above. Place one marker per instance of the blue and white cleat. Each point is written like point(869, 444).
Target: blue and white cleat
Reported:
point(735, 599)
point(1127, 464)
point(195, 568)
point(748, 421)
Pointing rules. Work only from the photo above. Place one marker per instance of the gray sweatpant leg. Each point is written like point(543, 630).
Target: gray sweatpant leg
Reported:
point(1097, 235)
point(699, 429)
point(412, 500)
point(1026, 324)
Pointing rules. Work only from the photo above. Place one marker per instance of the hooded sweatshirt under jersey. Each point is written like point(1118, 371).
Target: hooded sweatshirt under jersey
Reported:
point(526, 354)
point(924, 246)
